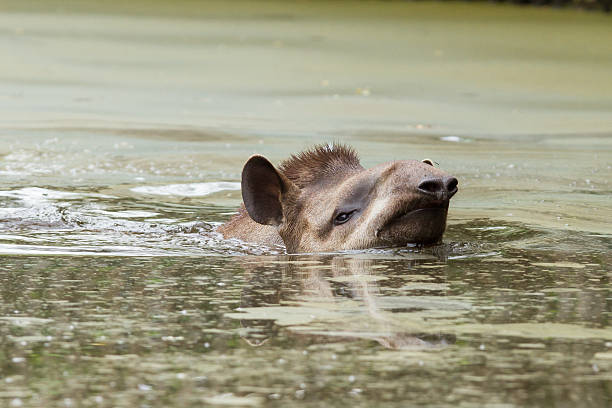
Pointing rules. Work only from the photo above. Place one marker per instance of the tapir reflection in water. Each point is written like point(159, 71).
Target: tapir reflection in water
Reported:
point(323, 200)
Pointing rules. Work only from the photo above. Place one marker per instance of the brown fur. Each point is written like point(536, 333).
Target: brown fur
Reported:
point(391, 204)
point(243, 227)
point(319, 164)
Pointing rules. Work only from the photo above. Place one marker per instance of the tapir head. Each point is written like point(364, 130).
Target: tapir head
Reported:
point(324, 200)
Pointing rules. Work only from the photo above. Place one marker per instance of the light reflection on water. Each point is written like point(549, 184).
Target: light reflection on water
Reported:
point(111, 297)
point(474, 321)
point(120, 159)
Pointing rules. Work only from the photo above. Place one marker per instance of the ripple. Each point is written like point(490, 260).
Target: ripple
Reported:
point(188, 190)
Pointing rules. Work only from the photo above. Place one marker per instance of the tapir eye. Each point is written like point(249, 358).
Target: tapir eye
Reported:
point(343, 217)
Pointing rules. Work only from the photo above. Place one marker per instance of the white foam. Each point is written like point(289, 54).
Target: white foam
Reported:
point(188, 190)
point(125, 213)
point(33, 196)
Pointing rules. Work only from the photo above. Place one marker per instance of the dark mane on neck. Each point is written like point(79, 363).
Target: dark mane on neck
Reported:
point(320, 163)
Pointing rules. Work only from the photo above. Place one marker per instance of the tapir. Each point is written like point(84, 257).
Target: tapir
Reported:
point(324, 200)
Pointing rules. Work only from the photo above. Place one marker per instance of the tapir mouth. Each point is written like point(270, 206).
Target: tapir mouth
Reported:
point(422, 224)
point(431, 208)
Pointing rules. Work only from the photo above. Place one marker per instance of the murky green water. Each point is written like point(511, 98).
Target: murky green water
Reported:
point(123, 129)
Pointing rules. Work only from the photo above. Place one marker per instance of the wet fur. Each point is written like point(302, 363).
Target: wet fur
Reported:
point(321, 164)
point(301, 198)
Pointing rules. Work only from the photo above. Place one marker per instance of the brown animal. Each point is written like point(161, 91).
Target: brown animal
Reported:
point(323, 200)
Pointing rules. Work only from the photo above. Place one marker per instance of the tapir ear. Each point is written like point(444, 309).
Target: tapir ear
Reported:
point(263, 188)
point(428, 161)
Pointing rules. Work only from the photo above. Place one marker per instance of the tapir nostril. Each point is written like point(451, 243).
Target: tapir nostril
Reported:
point(431, 186)
point(451, 185)
point(440, 187)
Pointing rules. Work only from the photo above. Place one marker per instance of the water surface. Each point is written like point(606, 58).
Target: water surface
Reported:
point(123, 130)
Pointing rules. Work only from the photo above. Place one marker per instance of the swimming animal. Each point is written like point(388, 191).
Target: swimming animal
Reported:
point(323, 200)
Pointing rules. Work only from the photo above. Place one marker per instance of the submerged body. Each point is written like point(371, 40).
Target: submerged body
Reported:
point(324, 200)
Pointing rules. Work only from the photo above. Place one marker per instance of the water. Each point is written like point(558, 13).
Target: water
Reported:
point(123, 129)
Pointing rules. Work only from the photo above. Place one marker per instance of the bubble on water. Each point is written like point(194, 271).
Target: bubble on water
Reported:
point(451, 139)
point(351, 378)
point(299, 394)
point(482, 347)
point(16, 402)
point(18, 360)
point(144, 387)
point(172, 338)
